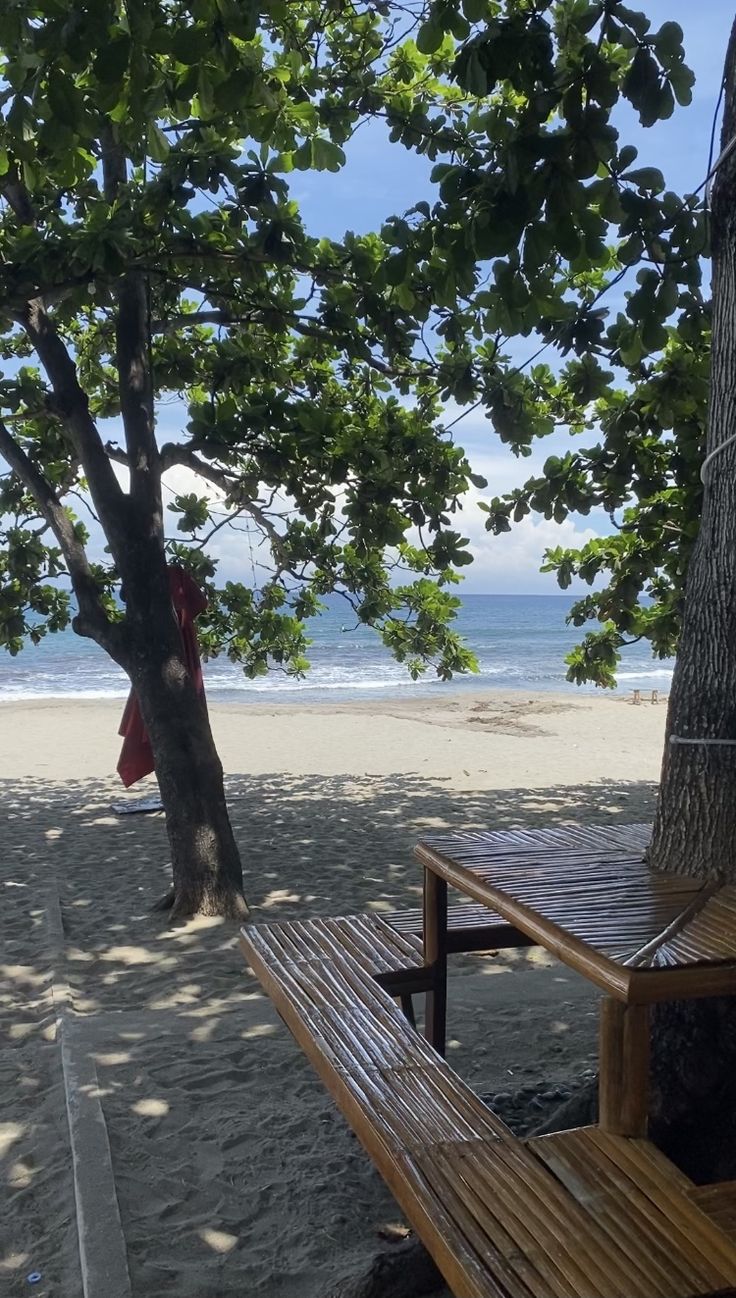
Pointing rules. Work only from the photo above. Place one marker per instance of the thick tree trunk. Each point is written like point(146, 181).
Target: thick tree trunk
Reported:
point(207, 874)
point(696, 820)
point(694, 1057)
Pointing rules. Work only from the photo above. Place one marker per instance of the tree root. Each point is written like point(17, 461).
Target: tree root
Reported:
point(183, 907)
point(405, 1271)
point(164, 903)
point(581, 1110)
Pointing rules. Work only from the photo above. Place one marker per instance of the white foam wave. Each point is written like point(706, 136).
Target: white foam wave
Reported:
point(57, 691)
point(660, 673)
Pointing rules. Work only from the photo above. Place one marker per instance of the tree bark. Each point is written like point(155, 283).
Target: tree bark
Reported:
point(694, 1044)
point(207, 873)
point(695, 828)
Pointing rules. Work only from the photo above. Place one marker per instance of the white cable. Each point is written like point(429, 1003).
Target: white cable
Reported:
point(725, 153)
point(677, 739)
point(712, 455)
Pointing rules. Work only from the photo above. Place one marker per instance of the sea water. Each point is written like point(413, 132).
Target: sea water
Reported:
point(520, 642)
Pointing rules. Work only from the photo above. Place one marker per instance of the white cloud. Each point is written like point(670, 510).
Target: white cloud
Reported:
point(507, 564)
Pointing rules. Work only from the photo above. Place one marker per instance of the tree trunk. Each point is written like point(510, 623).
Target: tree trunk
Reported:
point(695, 829)
point(207, 874)
point(694, 1057)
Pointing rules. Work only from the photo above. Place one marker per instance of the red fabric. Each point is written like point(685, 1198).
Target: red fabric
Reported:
point(136, 756)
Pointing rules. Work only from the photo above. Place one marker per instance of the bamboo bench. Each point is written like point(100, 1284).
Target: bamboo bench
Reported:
point(582, 1214)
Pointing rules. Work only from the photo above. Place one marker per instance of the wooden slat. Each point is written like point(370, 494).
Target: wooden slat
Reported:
point(642, 1209)
point(491, 1220)
point(425, 1105)
point(555, 1244)
point(380, 948)
point(709, 935)
point(667, 1187)
point(719, 1203)
point(689, 982)
point(611, 839)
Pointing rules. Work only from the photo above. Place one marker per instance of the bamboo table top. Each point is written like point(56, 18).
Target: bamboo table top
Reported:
point(588, 896)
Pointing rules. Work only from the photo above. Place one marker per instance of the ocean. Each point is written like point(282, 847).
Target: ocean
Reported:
point(520, 642)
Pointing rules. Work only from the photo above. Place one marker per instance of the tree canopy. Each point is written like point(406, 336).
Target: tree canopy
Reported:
point(146, 147)
point(147, 153)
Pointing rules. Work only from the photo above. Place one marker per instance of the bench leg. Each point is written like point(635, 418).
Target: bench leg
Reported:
point(623, 1103)
point(435, 958)
point(407, 1005)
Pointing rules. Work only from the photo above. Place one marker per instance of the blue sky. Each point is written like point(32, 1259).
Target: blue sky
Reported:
point(381, 179)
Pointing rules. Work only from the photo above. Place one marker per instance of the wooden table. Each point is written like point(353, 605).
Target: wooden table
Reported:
point(588, 896)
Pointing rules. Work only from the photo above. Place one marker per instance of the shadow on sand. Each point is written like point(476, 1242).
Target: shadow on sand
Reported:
point(233, 1173)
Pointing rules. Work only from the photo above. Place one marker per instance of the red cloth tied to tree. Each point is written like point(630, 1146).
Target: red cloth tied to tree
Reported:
point(136, 755)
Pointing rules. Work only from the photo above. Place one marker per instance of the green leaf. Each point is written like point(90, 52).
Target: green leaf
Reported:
point(627, 155)
point(396, 267)
point(646, 178)
point(475, 10)
point(111, 62)
point(668, 40)
point(64, 101)
point(430, 36)
point(158, 144)
point(190, 45)
point(474, 76)
point(682, 81)
point(326, 156)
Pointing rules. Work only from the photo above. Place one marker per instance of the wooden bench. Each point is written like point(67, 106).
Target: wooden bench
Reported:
point(577, 1215)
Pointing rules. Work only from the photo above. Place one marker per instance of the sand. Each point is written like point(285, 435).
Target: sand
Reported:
point(232, 1171)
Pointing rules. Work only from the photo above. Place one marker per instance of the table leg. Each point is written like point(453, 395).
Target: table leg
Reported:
point(435, 957)
point(623, 1102)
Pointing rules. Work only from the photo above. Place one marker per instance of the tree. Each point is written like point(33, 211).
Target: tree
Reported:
point(542, 213)
point(151, 251)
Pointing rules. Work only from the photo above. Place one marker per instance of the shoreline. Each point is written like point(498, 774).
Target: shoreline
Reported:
point(369, 700)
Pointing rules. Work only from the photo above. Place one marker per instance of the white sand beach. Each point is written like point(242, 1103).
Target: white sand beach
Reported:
point(232, 1172)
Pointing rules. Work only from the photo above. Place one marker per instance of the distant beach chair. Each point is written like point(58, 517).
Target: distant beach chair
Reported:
point(649, 696)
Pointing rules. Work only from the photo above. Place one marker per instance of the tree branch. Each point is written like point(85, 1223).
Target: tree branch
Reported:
point(70, 401)
point(228, 483)
point(18, 197)
point(132, 334)
point(92, 620)
point(71, 405)
point(189, 319)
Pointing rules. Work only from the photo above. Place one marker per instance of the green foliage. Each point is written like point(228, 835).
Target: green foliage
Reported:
point(315, 371)
point(546, 191)
point(152, 144)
